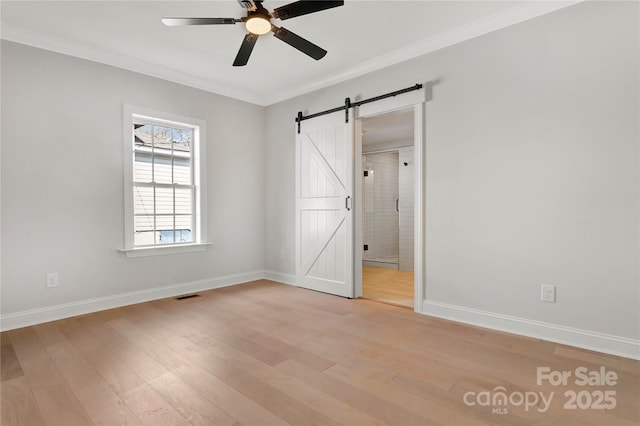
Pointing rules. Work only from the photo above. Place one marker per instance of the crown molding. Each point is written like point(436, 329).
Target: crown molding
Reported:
point(104, 56)
point(514, 15)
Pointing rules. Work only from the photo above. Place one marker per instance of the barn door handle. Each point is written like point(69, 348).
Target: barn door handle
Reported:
point(347, 203)
point(397, 204)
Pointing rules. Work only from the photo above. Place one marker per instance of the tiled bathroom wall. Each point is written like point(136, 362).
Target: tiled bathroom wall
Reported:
point(388, 209)
point(381, 218)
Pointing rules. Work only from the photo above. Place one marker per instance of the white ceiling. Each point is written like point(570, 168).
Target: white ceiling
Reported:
point(393, 126)
point(360, 36)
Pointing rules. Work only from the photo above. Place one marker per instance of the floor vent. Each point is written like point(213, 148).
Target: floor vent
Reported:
point(188, 296)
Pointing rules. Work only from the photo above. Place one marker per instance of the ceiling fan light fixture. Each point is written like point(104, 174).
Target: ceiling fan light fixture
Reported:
point(258, 24)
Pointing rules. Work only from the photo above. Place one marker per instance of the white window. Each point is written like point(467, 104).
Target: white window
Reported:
point(164, 179)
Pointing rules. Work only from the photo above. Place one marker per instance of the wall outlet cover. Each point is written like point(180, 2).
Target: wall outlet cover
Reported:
point(548, 293)
point(52, 280)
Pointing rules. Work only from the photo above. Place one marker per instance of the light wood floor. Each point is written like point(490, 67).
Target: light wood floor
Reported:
point(388, 285)
point(265, 354)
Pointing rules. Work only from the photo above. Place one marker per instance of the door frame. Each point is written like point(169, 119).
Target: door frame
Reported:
point(416, 101)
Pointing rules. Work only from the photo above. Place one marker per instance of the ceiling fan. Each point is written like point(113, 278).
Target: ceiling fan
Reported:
point(258, 22)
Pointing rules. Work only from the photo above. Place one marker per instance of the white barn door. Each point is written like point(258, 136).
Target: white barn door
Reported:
point(324, 205)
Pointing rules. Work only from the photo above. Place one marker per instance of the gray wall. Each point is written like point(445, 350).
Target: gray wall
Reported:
point(62, 180)
point(531, 173)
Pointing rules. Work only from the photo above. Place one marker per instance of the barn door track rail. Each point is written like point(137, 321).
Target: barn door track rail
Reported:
point(348, 104)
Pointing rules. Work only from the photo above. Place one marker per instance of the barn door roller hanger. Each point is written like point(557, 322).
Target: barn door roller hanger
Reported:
point(348, 104)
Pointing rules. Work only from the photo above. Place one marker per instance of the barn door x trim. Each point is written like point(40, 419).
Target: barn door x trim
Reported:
point(337, 209)
point(324, 219)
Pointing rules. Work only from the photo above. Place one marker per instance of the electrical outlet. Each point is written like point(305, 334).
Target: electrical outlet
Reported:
point(548, 293)
point(52, 280)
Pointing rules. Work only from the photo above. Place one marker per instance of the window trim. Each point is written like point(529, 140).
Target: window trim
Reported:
point(199, 180)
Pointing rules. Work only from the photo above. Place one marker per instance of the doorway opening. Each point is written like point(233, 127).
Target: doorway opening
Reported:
point(388, 186)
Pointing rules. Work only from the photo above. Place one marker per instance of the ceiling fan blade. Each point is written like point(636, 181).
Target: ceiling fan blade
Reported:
point(294, 40)
point(245, 50)
point(300, 8)
point(173, 22)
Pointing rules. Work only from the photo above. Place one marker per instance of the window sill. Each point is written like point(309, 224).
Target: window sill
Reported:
point(162, 250)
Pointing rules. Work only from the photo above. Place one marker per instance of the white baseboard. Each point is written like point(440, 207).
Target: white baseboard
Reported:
point(606, 343)
point(600, 342)
point(280, 277)
point(66, 310)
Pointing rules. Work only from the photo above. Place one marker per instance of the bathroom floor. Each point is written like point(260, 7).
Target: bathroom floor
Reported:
point(388, 286)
